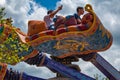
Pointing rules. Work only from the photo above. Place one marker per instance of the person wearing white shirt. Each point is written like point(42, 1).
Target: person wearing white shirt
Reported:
point(50, 15)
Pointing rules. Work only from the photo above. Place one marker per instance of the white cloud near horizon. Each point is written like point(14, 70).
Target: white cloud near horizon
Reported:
point(107, 11)
point(2, 2)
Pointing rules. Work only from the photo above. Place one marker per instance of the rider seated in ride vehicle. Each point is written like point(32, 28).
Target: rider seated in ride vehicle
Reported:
point(75, 21)
point(63, 24)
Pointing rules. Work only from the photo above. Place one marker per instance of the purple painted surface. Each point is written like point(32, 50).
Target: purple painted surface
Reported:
point(106, 68)
point(64, 70)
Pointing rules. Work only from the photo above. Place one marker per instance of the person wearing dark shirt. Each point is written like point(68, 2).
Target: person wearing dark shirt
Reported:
point(80, 11)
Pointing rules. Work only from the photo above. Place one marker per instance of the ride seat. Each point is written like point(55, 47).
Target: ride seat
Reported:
point(34, 27)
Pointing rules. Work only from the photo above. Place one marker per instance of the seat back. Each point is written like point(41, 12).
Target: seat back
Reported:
point(34, 27)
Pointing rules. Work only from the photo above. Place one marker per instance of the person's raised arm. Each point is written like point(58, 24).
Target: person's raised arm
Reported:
point(55, 11)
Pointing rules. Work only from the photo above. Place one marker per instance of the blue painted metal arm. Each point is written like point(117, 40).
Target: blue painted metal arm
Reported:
point(71, 73)
point(107, 69)
point(13, 75)
point(62, 69)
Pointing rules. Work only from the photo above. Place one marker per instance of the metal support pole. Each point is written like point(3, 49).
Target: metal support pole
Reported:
point(62, 69)
point(69, 72)
point(106, 68)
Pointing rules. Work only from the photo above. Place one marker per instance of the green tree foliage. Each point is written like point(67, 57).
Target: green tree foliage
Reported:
point(2, 13)
point(10, 46)
point(99, 77)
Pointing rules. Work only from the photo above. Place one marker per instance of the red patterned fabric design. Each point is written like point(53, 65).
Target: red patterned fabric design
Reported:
point(43, 33)
point(82, 27)
point(61, 30)
point(34, 37)
point(50, 32)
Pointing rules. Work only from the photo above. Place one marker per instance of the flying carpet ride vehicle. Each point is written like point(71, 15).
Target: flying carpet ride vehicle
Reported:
point(72, 41)
point(65, 41)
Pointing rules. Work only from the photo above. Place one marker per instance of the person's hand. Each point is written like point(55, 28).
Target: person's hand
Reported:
point(60, 7)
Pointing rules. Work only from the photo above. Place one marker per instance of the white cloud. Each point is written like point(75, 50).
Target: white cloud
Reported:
point(2, 2)
point(108, 14)
point(41, 72)
point(19, 12)
point(69, 6)
point(107, 11)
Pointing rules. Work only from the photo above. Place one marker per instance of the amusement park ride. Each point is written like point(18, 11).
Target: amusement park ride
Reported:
point(66, 44)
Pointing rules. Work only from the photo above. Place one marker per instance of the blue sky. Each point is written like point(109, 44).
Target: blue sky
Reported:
point(49, 4)
point(107, 10)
